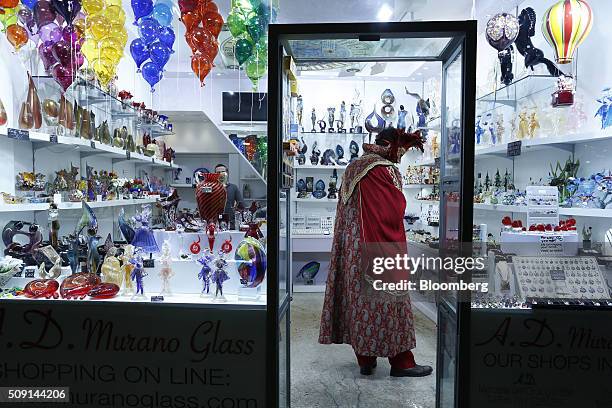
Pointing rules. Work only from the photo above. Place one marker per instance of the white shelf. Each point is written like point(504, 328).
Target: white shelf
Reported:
point(539, 143)
point(318, 166)
point(316, 201)
point(74, 206)
point(99, 149)
point(574, 212)
point(411, 186)
point(23, 207)
point(179, 185)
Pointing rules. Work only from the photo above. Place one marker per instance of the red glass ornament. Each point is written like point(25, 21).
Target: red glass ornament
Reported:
point(105, 290)
point(78, 285)
point(195, 246)
point(210, 233)
point(39, 288)
point(226, 247)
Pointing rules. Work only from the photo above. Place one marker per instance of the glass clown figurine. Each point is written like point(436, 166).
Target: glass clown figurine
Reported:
point(138, 274)
point(219, 275)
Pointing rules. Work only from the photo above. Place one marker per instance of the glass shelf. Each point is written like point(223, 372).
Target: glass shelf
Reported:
point(89, 95)
point(522, 88)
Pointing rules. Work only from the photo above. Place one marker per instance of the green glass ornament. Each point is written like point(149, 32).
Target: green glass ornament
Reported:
point(244, 49)
point(236, 24)
point(255, 27)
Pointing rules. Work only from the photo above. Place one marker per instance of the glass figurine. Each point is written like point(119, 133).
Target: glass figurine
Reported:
point(313, 119)
point(499, 128)
point(340, 156)
point(205, 274)
point(401, 117)
point(513, 128)
point(603, 111)
point(523, 126)
point(138, 274)
point(342, 115)
point(314, 156)
point(128, 255)
point(143, 236)
point(300, 110)
point(534, 124)
point(111, 268)
point(330, 118)
point(219, 275)
point(166, 273)
point(479, 131)
point(354, 150)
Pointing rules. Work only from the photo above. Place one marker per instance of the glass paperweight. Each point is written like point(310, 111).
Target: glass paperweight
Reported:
point(251, 262)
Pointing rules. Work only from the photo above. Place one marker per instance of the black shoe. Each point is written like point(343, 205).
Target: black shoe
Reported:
point(367, 370)
point(416, 371)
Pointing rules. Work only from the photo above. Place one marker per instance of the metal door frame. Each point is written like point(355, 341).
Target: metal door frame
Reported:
point(461, 31)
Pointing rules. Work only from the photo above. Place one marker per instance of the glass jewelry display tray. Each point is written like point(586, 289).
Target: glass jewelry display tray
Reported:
point(558, 277)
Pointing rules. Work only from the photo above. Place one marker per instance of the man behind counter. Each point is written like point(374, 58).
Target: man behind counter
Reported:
point(234, 197)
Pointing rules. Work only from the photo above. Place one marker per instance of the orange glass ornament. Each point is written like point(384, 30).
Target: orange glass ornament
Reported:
point(9, 3)
point(17, 36)
point(191, 19)
point(213, 22)
point(201, 66)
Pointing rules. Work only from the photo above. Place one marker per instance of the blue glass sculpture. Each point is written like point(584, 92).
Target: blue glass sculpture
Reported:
point(144, 237)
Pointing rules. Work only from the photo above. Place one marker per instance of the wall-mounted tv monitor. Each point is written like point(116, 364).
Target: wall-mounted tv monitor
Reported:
point(245, 107)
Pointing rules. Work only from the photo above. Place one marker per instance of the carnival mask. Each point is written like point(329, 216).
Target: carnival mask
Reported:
point(396, 142)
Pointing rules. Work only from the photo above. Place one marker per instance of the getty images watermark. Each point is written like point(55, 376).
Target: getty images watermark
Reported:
point(391, 273)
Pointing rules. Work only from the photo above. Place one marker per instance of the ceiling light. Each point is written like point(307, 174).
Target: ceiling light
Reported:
point(425, 67)
point(385, 13)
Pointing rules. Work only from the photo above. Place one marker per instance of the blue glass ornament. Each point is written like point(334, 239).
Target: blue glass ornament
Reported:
point(167, 37)
point(160, 54)
point(152, 73)
point(141, 8)
point(163, 14)
point(29, 3)
point(148, 29)
point(144, 237)
point(139, 52)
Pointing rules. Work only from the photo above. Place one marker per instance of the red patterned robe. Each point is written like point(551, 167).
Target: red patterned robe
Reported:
point(370, 209)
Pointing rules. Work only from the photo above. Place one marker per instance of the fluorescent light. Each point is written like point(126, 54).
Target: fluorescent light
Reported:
point(385, 13)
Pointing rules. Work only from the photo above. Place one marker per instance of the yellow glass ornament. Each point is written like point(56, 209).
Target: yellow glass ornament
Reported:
point(80, 26)
point(114, 14)
point(113, 3)
point(93, 6)
point(114, 54)
point(98, 26)
point(90, 50)
point(105, 70)
point(121, 36)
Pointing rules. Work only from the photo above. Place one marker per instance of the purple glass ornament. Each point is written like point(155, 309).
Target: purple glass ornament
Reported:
point(68, 9)
point(45, 51)
point(62, 52)
point(50, 33)
point(25, 15)
point(44, 13)
point(69, 34)
point(62, 75)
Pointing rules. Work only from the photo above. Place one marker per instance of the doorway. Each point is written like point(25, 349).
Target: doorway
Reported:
point(315, 76)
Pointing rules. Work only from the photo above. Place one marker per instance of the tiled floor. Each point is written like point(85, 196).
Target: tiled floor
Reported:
point(327, 376)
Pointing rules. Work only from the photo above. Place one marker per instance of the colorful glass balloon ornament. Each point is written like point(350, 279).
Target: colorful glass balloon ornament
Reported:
point(152, 50)
point(565, 25)
point(501, 32)
point(248, 23)
point(203, 24)
point(251, 262)
point(105, 38)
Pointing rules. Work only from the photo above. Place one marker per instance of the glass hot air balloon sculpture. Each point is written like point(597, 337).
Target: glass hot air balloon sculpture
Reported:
point(565, 26)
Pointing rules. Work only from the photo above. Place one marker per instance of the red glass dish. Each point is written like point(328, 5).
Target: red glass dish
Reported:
point(105, 290)
point(39, 288)
point(78, 285)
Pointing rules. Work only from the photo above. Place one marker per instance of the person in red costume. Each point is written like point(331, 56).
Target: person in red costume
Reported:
point(370, 214)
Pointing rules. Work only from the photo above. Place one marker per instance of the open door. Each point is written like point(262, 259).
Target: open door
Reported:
point(453, 43)
point(456, 204)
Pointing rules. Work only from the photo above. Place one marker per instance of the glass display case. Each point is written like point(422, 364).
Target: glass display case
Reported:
point(317, 127)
